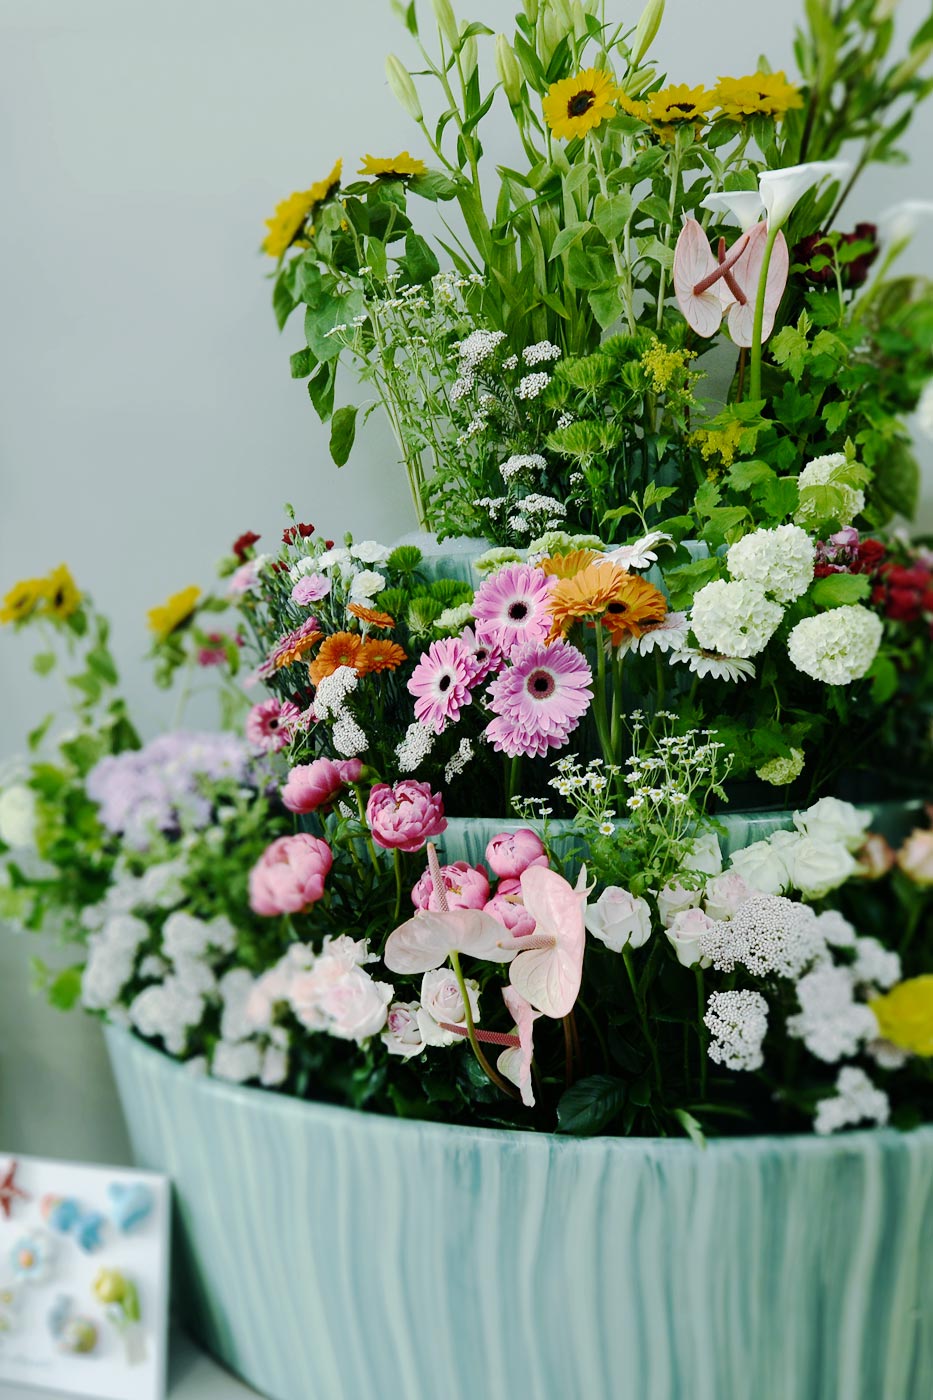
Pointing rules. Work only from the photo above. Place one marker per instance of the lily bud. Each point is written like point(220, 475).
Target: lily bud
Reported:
point(563, 11)
point(911, 66)
point(883, 10)
point(446, 22)
point(551, 30)
point(646, 30)
point(469, 56)
point(579, 20)
point(507, 68)
point(403, 88)
point(531, 10)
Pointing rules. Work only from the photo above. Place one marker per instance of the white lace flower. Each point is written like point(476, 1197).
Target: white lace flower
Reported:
point(735, 618)
point(478, 346)
point(331, 695)
point(349, 739)
point(875, 965)
point(836, 929)
point(521, 462)
point(836, 647)
point(831, 1023)
point(458, 761)
point(417, 744)
point(856, 1101)
point(779, 561)
point(769, 935)
point(532, 385)
point(738, 1023)
point(540, 352)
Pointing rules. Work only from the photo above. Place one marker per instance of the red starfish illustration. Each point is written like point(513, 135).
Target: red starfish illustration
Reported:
point(9, 1191)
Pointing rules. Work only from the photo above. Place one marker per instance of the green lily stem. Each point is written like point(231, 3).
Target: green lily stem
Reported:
point(642, 1015)
point(513, 775)
point(484, 1064)
point(599, 698)
point(369, 841)
point(754, 377)
point(701, 1026)
point(622, 267)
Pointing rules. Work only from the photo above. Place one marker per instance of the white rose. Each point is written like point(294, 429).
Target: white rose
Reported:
point(725, 894)
point(816, 867)
point(832, 820)
point(685, 935)
point(762, 867)
point(366, 584)
point(18, 817)
point(704, 856)
point(673, 899)
point(441, 1001)
point(619, 919)
point(402, 1035)
point(355, 1005)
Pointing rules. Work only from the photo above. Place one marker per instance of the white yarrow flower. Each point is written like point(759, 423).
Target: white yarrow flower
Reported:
point(856, 1101)
point(738, 1023)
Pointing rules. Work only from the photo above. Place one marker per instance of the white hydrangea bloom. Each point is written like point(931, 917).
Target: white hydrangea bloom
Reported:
point(779, 561)
point(236, 987)
point(828, 471)
point(769, 935)
point(167, 1009)
point(836, 647)
point(856, 1101)
point(831, 1023)
point(734, 618)
point(738, 1023)
point(875, 965)
point(111, 960)
point(782, 770)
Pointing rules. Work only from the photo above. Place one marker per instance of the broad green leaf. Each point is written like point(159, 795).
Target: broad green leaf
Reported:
point(43, 662)
point(839, 590)
point(567, 238)
point(611, 215)
point(343, 433)
point(590, 1105)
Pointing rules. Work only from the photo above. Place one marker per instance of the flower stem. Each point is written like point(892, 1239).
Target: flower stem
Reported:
point(397, 862)
point(754, 377)
point(701, 1027)
point(369, 840)
point(642, 1015)
point(484, 1064)
point(599, 698)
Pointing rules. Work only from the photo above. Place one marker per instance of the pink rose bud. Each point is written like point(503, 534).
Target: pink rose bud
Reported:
point(289, 875)
point(318, 784)
point(511, 914)
point(405, 817)
point(512, 852)
point(876, 857)
point(916, 857)
point(725, 894)
point(467, 887)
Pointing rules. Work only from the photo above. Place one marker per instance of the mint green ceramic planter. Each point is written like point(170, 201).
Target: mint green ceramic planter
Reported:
point(332, 1255)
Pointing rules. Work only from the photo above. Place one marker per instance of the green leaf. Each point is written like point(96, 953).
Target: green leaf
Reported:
point(343, 433)
point(690, 1126)
point(43, 663)
point(101, 663)
point(321, 390)
point(885, 680)
point(839, 590)
point(35, 736)
point(419, 263)
point(612, 214)
point(606, 305)
point(65, 989)
point(302, 364)
point(587, 270)
point(744, 475)
point(590, 1105)
point(567, 237)
point(283, 303)
point(689, 579)
point(433, 185)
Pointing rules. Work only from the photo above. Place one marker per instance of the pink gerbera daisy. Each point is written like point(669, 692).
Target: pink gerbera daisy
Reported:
point(539, 699)
point(270, 725)
point(441, 683)
point(511, 607)
point(484, 653)
point(286, 644)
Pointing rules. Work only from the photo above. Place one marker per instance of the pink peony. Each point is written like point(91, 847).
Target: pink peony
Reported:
point(270, 725)
point(510, 912)
point(441, 683)
point(467, 887)
point(406, 816)
point(511, 608)
point(289, 875)
point(511, 852)
point(318, 784)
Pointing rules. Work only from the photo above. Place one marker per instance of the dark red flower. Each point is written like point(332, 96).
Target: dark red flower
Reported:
point(870, 555)
point(906, 594)
point(853, 274)
point(328, 544)
point(295, 532)
point(245, 542)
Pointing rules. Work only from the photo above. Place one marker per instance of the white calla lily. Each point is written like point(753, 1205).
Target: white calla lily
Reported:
point(745, 206)
point(897, 225)
point(781, 189)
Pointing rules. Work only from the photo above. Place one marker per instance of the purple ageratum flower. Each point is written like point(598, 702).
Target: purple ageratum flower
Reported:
point(511, 608)
point(539, 700)
point(441, 684)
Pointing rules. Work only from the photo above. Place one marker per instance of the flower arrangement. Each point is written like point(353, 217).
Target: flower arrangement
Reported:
point(463, 850)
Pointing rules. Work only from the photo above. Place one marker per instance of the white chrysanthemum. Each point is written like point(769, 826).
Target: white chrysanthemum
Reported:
point(769, 935)
point(836, 647)
point(415, 747)
point(831, 1023)
point(711, 663)
point(875, 965)
point(856, 1101)
point(366, 584)
point(780, 561)
point(738, 1023)
point(781, 771)
point(735, 618)
point(822, 472)
point(925, 410)
point(370, 552)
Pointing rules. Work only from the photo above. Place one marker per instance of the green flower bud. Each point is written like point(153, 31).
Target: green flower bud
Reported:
point(531, 10)
point(469, 56)
point(446, 22)
point(646, 30)
point(109, 1286)
point(510, 75)
point(403, 88)
point(579, 20)
point(911, 66)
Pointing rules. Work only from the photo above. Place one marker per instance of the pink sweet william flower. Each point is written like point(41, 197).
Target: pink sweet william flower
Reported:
point(511, 608)
point(510, 912)
point(310, 589)
point(511, 852)
point(406, 816)
point(289, 875)
point(318, 784)
point(441, 683)
point(270, 725)
point(538, 700)
point(245, 579)
point(466, 886)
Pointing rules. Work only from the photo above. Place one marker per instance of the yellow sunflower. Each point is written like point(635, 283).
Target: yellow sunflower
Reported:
point(64, 596)
point(23, 599)
point(632, 106)
point(400, 167)
point(679, 103)
point(293, 213)
point(905, 1015)
point(577, 105)
point(567, 565)
point(637, 607)
point(587, 594)
point(769, 94)
point(174, 612)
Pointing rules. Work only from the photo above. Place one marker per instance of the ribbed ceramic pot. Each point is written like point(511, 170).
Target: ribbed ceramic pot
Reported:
point(325, 1254)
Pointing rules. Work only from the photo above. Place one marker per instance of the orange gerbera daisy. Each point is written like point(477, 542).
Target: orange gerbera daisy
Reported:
point(296, 649)
point(340, 649)
point(566, 565)
point(637, 607)
point(371, 616)
point(587, 594)
point(379, 655)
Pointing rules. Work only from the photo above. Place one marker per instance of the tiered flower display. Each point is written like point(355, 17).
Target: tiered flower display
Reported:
point(467, 849)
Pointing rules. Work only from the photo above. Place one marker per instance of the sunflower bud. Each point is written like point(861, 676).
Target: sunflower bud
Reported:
point(446, 22)
point(646, 30)
point(403, 88)
point(911, 66)
point(508, 70)
point(469, 57)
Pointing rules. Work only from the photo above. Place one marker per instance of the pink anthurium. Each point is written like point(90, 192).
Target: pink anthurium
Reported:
point(549, 966)
point(696, 280)
point(427, 941)
point(515, 1062)
point(746, 273)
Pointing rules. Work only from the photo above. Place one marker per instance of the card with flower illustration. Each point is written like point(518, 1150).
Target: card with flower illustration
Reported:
point(83, 1278)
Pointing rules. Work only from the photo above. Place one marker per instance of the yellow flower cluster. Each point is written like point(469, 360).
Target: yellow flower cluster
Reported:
point(174, 612)
point(664, 365)
point(56, 596)
point(905, 1015)
point(764, 94)
point(761, 94)
point(719, 442)
point(293, 213)
point(400, 167)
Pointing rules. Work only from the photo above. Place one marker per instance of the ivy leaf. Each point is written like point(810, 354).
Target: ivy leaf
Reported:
point(839, 590)
point(343, 433)
point(690, 1126)
point(590, 1105)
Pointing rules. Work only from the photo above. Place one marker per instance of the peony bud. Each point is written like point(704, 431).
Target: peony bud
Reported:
point(447, 22)
point(646, 30)
point(402, 87)
point(508, 70)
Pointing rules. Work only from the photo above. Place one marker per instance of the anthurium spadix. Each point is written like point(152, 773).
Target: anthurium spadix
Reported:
point(710, 285)
point(549, 967)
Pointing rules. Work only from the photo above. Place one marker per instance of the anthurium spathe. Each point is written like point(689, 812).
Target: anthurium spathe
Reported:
point(515, 1062)
point(427, 940)
point(747, 274)
point(549, 967)
point(708, 285)
point(698, 283)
